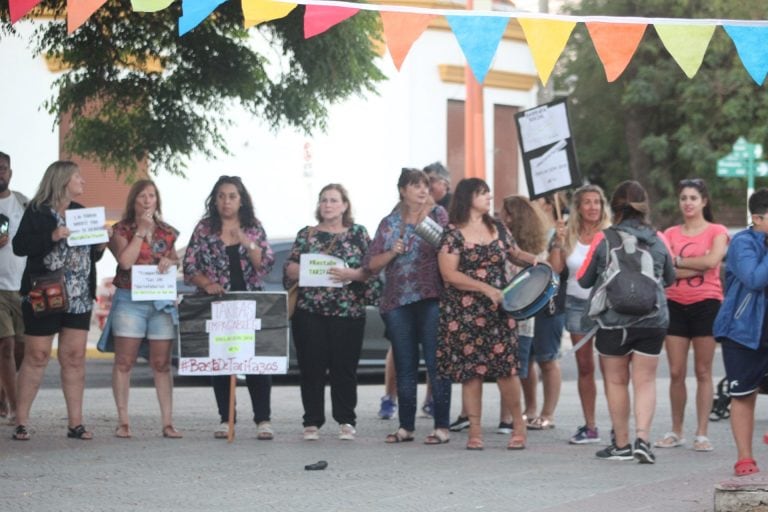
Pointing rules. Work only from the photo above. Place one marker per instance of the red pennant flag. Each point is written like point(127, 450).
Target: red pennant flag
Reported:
point(401, 30)
point(19, 8)
point(319, 18)
point(615, 44)
point(78, 12)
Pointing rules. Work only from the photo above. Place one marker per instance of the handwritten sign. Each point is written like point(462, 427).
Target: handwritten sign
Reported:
point(86, 226)
point(148, 283)
point(313, 270)
point(543, 126)
point(236, 333)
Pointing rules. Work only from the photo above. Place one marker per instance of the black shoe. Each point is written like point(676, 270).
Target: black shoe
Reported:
point(505, 428)
point(642, 452)
point(613, 452)
point(461, 423)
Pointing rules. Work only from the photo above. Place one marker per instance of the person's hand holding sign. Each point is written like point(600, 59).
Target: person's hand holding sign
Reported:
point(60, 233)
point(164, 264)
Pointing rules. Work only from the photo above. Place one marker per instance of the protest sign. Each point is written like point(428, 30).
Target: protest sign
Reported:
point(148, 283)
point(549, 154)
point(86, 226)
point(313, 270)
point(236, 333)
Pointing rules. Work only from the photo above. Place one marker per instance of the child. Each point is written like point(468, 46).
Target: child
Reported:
point(741, 328)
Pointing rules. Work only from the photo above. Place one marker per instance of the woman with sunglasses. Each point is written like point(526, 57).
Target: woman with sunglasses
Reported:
point(228, 252)
point(698, 247)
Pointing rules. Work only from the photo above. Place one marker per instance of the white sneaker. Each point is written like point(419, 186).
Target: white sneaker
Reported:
point(311, 433)
point(222, 431)
point(347, 432)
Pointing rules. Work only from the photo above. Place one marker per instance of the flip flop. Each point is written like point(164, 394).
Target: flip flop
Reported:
point(123, 431)
point(670, 440)
point(437, 437)
point(399, 436)
point(745, 467)
point(702, 444)
point(475, 443)
point(516, 442)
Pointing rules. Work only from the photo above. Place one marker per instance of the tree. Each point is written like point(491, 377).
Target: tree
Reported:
point(137, 91)
point(653, 124)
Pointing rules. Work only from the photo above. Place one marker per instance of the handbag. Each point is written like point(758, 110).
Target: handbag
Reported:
point(48, 294)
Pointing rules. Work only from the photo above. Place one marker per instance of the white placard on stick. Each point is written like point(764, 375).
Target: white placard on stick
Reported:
point(148, 283)
point(313, 270)
point(543, 125)
point(86, 226)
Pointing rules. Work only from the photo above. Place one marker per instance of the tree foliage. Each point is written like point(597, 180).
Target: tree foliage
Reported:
point(653, 124)
point(139, 92)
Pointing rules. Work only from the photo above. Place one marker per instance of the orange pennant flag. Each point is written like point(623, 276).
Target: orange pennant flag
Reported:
point(78, 12)
point(615, 44)
point(401, 30)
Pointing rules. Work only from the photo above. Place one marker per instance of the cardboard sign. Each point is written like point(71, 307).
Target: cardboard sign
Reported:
point(546, 142)
point(313, 270)
point(86, 226)
point(148, 283)
point(236, 333)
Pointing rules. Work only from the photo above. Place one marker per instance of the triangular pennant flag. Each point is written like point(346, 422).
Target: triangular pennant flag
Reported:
point(150, 5)
point(78, 12)
point(401, 30)
point(615, 44)
point(319, 18)
point(750, 45)
point(687, 44)
point(546, 39)
point(478, 36)
point(259, 11)
point(193, 12)
point(18, 8)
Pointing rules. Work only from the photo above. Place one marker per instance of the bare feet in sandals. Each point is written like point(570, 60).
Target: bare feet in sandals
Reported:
point(170, 432)
point(123, 431)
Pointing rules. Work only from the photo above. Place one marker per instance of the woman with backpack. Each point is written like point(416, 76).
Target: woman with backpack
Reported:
point(632, 317)
point(698, 246)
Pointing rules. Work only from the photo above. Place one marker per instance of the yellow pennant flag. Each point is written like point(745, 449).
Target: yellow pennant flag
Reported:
point(259, 11)
point(150, 5)
point(546, 39)
point(686, 43)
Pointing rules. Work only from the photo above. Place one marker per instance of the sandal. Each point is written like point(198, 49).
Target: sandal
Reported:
point(702, 444)
point(475, 443)
point(20, 433)
point(399, 436)
point(745, 467)
point(79, 432)
point(123, 431)
point(670, 440)
point(264, 431)
point(170, 432)
point(540, 423)
point(438, 436)
point(516, 442)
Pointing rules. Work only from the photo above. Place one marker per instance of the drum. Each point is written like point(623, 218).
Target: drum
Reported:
point(430, 231)
point(529, 291)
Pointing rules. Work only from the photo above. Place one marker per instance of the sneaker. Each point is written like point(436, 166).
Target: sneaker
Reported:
point(347, 432)
point(388, 408)
point(585, 435)
point(505, 428)
point(642, 452)
point(222, 431)
point(613, 452)
point(461, 423)
point(311, 433)
point(428, 409)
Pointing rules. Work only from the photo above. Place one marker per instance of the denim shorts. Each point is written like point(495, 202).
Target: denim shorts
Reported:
point(576, 319)
point(139, 319)
point(745, 368)
point(548, 333)
point(524, 348)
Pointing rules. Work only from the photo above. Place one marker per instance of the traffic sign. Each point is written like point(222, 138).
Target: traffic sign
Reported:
point(731, 166)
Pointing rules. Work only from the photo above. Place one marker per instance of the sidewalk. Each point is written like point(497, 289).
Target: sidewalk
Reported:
point(199, 473)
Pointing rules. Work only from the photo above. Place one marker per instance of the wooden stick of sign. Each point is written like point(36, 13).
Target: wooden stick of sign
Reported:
point(232, 390)
point(557, 205)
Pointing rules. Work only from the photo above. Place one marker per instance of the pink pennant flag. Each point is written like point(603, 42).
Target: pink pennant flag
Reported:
point(319, 18)
point(615, 44)
point(19, 8)
point(78, 12)
point(401, 30)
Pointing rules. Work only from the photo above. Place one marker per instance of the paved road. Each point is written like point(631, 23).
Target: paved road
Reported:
point(199, 473)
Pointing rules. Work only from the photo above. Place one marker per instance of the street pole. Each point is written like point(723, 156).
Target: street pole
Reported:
point(474, 129)
point(750, 178)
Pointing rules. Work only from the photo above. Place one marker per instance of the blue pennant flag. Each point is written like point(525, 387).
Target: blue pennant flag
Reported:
point(194, 12)
point(750, 44)
point(479, 37)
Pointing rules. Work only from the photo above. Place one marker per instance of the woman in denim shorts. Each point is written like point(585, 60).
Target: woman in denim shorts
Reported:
point(141, 238)
point(589, 216)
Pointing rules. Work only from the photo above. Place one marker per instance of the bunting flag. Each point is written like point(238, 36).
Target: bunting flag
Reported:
point(19, 8)
point(150, 5)
point(193, 12)
point(401, 30)
point(546, 40)
point(478, 37)
point(687, 44)
point(750, 44)
point(319, 18)
point(259, 11)
point(78, 12)
point(615, 44)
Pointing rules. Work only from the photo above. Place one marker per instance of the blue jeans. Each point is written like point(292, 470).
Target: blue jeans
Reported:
point(407, 327)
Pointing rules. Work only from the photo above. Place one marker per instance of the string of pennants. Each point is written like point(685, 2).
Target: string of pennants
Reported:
point(479, 32)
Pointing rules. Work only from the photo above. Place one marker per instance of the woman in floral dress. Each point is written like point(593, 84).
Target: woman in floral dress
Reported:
point(476, 338)
point(329, 323)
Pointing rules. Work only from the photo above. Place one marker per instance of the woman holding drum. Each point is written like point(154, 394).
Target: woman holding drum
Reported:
point(477, 339)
